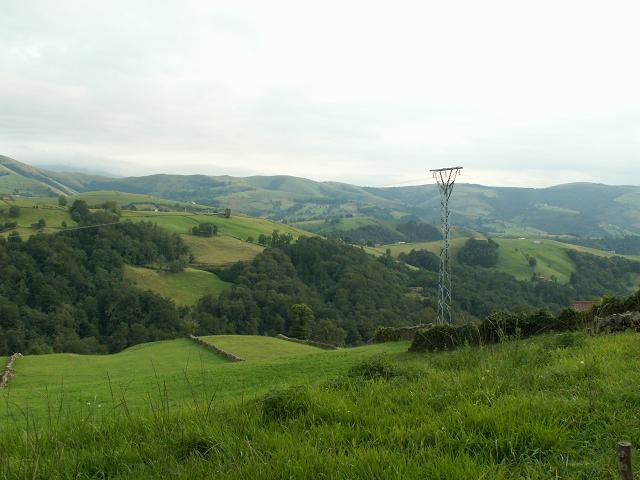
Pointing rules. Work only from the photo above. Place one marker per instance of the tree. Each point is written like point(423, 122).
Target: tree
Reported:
point(328, 332)
point(227, 213)
point(532, 261)
point(263, 239)
point(42, 223)
point(79, 211)
point(190, 326)
point(300, 320)
point(14, 211)
point(62, 200)
point(205, 230)
point(482, 253)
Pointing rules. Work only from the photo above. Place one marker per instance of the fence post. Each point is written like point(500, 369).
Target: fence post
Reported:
point(623, 450)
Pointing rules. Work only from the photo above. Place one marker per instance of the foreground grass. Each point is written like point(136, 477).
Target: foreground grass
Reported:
point(184, 288)
point(73, 383)
point(549, 407)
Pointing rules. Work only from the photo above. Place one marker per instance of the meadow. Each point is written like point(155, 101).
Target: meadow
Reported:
point(184, 288)
point(548, 407)
point(514, 253)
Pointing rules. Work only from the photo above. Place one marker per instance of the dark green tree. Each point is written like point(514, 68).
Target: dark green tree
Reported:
point(300, 320)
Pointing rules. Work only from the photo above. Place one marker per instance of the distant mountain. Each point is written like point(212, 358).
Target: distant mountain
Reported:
point(580, 209)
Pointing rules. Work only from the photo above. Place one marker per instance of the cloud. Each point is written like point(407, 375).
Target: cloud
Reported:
point(367, 92)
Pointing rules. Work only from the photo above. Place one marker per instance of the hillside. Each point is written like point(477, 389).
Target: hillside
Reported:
point(579, 209)
point(554, 405)
point(553, 261)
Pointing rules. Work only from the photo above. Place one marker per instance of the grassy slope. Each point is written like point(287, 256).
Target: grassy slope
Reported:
point(253, 348)
point(220, 250)
point(551, 255)
point(184, 288)
point(530, 409)
point(183, 365)
point(237, 226)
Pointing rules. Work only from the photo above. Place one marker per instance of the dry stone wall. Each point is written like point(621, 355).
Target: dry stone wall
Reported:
point(312, 343)
point(8, 370)
point(213, 348)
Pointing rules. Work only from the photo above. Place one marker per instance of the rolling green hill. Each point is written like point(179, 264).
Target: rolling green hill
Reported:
point(581, 209)
point(514, 253)
point(184, 366)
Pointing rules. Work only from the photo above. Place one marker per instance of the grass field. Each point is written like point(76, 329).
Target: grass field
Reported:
point(513, 255)
point(237, 226)
point(184, 288)
point(254, 348)
point(548, 407)
point(184, 366)
point(220, 250)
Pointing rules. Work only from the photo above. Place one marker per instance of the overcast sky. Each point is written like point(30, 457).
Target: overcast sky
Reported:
point(368, 92)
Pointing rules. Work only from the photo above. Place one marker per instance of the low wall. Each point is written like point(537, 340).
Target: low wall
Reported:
point(213, 348)
point(312, 343)
point(8, 370)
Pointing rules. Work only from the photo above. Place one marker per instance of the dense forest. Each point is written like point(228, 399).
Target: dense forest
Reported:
point(349, 292)
point(66, 292)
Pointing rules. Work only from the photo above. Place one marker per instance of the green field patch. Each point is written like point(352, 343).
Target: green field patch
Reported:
point(237, 226)
point(184, 288)
point(220, 250)
point(255, 348)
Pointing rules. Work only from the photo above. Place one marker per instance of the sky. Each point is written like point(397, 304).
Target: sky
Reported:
point(519, 93)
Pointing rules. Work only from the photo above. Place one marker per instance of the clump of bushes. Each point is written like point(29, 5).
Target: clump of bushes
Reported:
point(494, 328)
point(286, 404)
point(445, 337)
point(395, 334)
point(374, 369)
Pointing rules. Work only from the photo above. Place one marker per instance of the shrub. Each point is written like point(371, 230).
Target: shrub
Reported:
point(286, 404)
point(386, 334)
point(438, 337)
point(375, 368)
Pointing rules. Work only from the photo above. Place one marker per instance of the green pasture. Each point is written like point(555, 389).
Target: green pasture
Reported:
point(553, 406)
point(184, 288)
point(43, 381)
point(220, 250)
point(514, 253)
point(255, 348)
point(237, 226)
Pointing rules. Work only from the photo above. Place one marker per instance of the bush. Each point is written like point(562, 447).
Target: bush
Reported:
point(286, 404)
point(438, 337)
point(386, 334)
point(14, 211)
point(375, 368)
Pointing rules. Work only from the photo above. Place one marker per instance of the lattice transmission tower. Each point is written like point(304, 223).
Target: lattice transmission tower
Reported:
point(446, 178)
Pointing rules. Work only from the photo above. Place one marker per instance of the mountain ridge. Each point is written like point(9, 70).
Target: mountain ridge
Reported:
point(578, 208)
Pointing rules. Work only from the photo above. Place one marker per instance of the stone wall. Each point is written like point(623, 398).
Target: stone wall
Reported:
point(213, 348)
point(312, 343)
point(8, 370)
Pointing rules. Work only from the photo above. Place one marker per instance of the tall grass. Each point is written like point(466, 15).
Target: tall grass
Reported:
point(547, 407)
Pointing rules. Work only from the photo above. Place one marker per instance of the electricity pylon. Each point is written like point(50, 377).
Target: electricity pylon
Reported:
point(446, 177)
